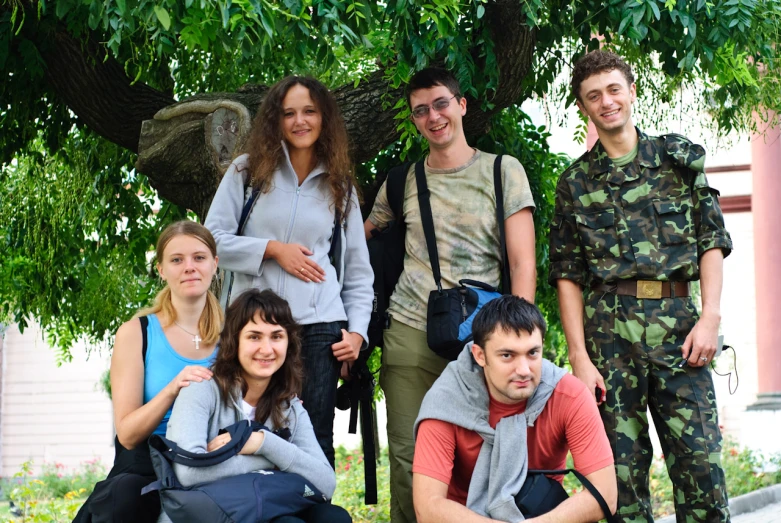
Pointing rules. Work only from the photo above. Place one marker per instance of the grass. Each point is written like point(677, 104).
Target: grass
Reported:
point(56, 494)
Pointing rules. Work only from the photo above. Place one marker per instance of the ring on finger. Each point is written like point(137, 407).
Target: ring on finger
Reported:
point(300, 269)
point(703, 358)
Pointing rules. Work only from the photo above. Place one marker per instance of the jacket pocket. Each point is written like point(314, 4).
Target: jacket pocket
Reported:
point(674, 221)
point(598, 234)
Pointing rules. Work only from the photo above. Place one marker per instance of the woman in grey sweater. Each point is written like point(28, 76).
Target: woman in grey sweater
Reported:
point(256, 376)
point(298, 162)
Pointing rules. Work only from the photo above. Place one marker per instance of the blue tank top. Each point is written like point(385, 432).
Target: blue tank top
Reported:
point(162, 364)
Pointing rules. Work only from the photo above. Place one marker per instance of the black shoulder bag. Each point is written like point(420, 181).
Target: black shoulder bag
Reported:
point(541, 494)
point(255, 497)
point(451, 311)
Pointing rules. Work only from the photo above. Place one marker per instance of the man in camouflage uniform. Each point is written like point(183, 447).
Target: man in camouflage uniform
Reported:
point(636, 222)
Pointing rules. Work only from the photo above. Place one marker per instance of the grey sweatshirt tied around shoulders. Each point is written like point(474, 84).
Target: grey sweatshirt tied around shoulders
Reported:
point(460, 396)
point(290, 213)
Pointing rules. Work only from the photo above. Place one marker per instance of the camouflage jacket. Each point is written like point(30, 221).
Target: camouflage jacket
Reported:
point(651, 219)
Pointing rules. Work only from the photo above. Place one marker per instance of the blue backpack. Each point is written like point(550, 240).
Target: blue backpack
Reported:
point(253, 497)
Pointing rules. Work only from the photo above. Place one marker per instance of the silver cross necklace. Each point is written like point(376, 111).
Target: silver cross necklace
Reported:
point(196, 338)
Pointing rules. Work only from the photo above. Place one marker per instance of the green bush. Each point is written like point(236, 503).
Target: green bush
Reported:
point(54, 496)
point(350, 487)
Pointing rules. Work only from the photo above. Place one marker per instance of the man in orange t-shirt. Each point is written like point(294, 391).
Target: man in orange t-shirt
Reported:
point(508, 334)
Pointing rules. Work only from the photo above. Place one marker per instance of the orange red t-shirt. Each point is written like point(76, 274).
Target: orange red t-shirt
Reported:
point(569, 422)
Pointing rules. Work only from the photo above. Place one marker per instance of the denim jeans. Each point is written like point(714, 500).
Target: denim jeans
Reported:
point(323, 513)
point(321, 376)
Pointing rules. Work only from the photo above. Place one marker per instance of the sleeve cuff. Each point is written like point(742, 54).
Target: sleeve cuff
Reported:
point(716, 240)
point(565, 271)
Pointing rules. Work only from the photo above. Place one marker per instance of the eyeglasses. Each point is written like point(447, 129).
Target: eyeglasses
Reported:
point(439, 105)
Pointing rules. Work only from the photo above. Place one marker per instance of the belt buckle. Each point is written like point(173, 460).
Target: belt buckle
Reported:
point(649, 289)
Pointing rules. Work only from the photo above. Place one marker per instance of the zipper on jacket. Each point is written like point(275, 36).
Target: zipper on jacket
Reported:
point(290, 224)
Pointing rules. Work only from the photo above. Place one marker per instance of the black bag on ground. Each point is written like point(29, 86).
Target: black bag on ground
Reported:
point(450, 312)
point(386, 254)
point(255, 497)
point(117, 499)
point(541, 494)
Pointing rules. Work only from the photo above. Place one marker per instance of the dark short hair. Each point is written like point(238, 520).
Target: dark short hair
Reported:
point(597, 62)
point(431, 77)
point(507, 313)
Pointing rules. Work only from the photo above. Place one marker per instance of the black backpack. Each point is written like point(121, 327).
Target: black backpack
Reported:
point(255, 497)
point(386, 254)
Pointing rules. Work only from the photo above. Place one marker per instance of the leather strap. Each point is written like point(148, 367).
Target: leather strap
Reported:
point(587, 484)
point(644, 288)
point(427, 221)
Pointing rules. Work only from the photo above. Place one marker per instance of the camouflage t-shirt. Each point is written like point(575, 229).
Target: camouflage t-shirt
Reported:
point(463, 205)
point(650, 219)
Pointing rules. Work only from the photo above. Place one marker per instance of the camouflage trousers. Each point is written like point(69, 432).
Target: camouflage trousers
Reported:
point(636, 345)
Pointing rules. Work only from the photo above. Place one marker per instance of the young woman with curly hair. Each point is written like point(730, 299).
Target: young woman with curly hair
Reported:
point(297, 158)
point(257, 375)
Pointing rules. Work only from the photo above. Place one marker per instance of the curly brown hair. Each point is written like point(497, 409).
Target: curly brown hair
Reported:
point(332, 148)
point(286, 382)
point(597, 62)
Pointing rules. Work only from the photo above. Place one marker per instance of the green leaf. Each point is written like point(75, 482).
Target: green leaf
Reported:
point(480, 11)
point(655, 8)
point(162, 16)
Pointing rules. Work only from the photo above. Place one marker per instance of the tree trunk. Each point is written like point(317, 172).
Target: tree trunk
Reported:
point(184, 148)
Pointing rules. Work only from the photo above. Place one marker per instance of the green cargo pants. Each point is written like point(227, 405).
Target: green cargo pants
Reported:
point(409, 368)
point(636, 345)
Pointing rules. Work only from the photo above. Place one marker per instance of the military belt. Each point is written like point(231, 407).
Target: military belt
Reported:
point(646, 289)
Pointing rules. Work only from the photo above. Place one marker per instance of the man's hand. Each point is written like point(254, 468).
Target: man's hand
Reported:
point(587, 372)
point(700, 345)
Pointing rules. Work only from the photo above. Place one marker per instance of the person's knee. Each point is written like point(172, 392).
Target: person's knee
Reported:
point(328, 513)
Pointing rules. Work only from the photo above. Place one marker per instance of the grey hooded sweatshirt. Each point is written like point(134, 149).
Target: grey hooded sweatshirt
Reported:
point(460, 396)
point(290, 213)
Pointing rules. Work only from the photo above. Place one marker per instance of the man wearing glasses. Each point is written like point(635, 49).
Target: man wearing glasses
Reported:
point(460, 180)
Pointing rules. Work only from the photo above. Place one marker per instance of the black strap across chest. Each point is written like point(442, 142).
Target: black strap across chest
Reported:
point(428, 222)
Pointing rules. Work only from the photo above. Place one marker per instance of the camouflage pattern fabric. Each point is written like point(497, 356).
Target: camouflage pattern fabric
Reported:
point(636, 345)
point(463, 205)
point(651, 219)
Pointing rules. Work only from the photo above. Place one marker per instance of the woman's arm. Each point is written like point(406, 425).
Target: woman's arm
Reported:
point(357, 291)
point(190, 427)
point(134, 420)
point(302, 455)
point(237, 253)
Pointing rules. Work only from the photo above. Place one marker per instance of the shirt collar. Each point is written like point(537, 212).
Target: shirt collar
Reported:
point(599, 162)
point(319, 168)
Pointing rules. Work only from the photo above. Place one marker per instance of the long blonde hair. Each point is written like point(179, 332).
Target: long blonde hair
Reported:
point(210, 322)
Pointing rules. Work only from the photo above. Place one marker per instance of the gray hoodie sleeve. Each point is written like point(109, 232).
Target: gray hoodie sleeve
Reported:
point(302, 455)
point(357, 291)
point(237, 253)
point(197, 416)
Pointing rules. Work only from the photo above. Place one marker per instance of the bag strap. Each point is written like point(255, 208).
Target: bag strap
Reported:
point(428, 222)
point(499, 194)
point(240, 432)
point(335, 252)
point(144, 342)
point(587, 484)
point(396, 182)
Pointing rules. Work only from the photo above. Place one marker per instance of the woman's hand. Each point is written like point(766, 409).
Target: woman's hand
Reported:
point(250, 447)
point(188, 374)
point(349, 347)
point(295, 259)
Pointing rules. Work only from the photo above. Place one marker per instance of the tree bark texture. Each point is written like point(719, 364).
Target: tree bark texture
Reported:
point(184, 148)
